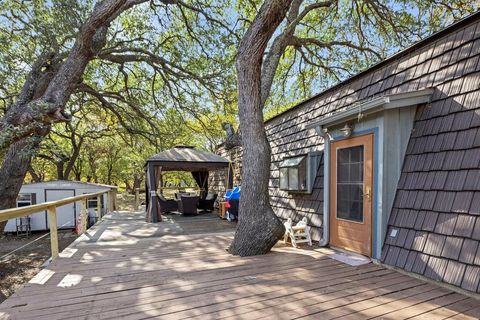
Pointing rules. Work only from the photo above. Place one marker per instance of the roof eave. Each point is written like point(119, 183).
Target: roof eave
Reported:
point(379, 104)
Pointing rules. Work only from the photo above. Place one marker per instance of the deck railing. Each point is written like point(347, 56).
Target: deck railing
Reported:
point(51, 208)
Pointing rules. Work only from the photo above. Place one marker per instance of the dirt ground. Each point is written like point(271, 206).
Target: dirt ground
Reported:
point(126, 201)
point(21, 266)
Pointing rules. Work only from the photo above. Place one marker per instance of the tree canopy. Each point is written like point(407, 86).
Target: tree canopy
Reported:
point(164, 72)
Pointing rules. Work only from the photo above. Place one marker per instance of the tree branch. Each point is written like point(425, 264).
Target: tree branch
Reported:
point(296, 41)
point(271, 61)
point(29, 116)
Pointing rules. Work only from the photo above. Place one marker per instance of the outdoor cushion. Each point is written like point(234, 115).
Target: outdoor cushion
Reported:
point(188, 204)
point(210, 196)
point(207, 204)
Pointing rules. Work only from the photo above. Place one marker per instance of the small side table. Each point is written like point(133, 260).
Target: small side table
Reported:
point(221, 209)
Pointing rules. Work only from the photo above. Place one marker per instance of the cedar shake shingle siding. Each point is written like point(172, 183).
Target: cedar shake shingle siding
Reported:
point(444, 144)
point(437, 204)
point(436, 210)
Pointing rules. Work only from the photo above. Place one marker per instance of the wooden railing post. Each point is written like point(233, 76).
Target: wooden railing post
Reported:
point(137, 198)
point(83, 214)
point(114, 195)
point(109, 197)
point(52, 221)
point(99, 207)
point(111, 204)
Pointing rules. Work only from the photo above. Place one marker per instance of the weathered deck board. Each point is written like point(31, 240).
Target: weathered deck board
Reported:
point(125, 268)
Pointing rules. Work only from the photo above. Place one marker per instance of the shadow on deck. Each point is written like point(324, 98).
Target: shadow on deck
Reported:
point(131, 226)
point(178, 269)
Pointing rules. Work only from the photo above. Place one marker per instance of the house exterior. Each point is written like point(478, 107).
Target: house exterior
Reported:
point(387, 163)
point(34, 193)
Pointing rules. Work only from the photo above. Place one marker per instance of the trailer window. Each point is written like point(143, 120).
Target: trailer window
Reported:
point(24, 199)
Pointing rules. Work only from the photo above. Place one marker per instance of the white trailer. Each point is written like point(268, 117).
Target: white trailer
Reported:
point(67, 215)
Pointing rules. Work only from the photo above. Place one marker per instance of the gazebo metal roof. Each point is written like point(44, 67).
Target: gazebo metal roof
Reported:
point(187, 158)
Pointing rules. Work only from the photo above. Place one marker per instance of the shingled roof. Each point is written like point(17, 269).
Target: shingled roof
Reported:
point(188, 158)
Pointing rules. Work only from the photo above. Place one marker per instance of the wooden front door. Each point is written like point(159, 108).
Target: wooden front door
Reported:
point(351, 194)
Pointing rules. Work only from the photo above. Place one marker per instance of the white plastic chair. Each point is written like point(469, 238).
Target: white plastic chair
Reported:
point(299, 233)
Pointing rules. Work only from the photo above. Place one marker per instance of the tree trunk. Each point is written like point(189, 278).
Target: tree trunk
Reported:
point(137, 182)
point(60, 165)
point(73, 158)
point(77, 169)
point(128, 188)
point(109, 173)
point(258, 228)
point(14, 167)
point(34, 175)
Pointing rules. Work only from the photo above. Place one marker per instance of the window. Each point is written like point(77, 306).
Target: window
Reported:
point(24, 199)
point(92, 203)
point(350, 183)
point(298, 174)
point(293, 175)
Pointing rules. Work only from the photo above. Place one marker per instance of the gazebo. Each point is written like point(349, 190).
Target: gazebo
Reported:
point(180, 158)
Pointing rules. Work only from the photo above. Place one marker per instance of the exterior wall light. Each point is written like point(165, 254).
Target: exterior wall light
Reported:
point(347, 130)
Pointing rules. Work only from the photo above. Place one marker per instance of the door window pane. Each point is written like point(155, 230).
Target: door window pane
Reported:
point(350, 183)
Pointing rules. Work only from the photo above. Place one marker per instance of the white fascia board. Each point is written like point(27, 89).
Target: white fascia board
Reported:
point(393, 101)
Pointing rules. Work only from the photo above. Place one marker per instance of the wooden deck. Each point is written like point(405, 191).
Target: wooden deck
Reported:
point(125, 268)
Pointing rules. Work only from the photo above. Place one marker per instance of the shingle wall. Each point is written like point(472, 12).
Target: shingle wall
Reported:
point(437, 205)
point(218, 179)
point(436, 210)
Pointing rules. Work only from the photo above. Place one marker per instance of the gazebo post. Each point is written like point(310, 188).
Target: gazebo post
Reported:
point(153, 208)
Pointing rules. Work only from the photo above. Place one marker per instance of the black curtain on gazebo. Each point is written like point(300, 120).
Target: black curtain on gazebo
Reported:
point(147, 198)
point(201, 178)
point(230, 176)
point(153, 174)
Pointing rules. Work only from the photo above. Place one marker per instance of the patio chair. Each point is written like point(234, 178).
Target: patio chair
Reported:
point(179, 194)
point(188, 205)
point(23, 225)
point(207, 203)
point(167, 206)
point(299, 233)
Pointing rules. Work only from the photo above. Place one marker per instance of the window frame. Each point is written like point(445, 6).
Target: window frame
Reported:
point(306, 171)
point(89, 201)
point(30, 201)
point(94, 200)
point(336, 185)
